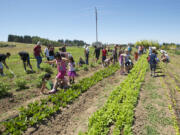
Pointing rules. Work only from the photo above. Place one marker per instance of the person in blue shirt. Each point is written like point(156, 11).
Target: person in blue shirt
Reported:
point(153, 62)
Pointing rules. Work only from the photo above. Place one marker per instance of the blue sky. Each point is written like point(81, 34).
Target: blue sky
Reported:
point(120, 21)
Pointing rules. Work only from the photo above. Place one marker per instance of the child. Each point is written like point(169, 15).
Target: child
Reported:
point(46, 83)
point(61, 67)
point(136, 56)
point(72, 72)
point(107, 61)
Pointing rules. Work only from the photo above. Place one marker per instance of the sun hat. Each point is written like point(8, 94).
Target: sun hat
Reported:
point(38, 43)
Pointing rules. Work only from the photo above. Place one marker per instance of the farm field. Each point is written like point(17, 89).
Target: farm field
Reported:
point(100, 102)
point(9, 105)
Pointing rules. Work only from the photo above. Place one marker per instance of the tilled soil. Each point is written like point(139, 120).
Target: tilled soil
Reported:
point(152, 116)
point(74, 118)
point(9, 106)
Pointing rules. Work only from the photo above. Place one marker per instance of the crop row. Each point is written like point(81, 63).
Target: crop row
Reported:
point(38, 112)
point(118, 112)
point(171, 97)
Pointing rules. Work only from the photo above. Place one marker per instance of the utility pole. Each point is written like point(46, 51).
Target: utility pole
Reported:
point(96, 24)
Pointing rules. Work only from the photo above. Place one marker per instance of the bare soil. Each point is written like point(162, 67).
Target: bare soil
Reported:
point(152, 116)
point(74, 118)
point(9, 106)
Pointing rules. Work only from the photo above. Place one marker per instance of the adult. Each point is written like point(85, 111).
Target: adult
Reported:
point(150, 50)
point(97, 52)
point(153, 62)
point(3, 61)
point(121, 62)
point(86, 53)
point(64, 54)
point(164, 57)
point(104, 54)
point(46, 52)
point(81, 62)
point(129, 49)
point(64, 48)
point(51, 53)
point(25, 58)
point(128, 62)
point(140, 50)
point(115, 54)
point(38, 53)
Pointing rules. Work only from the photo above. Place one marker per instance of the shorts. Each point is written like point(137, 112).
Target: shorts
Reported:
point(61, 75)
point(153, 67)
point(1, 65)
point(51, 57)
point(103, 58)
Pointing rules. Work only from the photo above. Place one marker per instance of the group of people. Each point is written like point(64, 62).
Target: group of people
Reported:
point(117, 54)
point(153, 59)
point(66, 65)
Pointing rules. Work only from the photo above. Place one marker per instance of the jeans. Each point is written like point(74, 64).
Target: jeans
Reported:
point(39, 60)
point(87, 58)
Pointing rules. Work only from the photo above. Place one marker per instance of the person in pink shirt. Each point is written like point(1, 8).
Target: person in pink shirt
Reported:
point(61, 68)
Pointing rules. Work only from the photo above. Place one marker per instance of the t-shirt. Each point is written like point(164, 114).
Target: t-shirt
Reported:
point(46, 51)
point(152, 59)
point(2, 57)
point(51, 53)
point(63, 49)
point(127, 57)
point(114, 52)
point(104, 52)
point(97, 51)
point(87, 50)
point(37, 50)
point(24, 54)
point(71, 66)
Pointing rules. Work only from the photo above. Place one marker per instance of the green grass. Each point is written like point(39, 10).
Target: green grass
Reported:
point(16, 65)
point(155, 109)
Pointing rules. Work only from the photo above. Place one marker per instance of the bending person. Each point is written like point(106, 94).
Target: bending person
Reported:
point(26, 60)
point(3, 61)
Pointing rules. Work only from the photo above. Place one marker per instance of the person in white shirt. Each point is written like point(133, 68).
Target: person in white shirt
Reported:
point(46, 52)
point(86, 53)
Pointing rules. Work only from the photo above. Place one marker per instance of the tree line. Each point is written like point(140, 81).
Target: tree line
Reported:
point(34, 39)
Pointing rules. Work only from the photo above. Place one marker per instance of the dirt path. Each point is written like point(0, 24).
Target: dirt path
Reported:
point(9, 107)
point(75, 118)
point(152, 116)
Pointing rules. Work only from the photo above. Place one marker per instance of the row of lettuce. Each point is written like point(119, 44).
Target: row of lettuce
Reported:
point(39, 111)
point(118, 111)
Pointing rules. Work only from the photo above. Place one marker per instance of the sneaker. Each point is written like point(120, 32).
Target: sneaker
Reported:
point(52, 91)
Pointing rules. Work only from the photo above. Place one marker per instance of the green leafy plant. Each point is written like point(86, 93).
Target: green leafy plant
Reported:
point(4, 90)
point(21, 84)
point(118, 110)
point(47, 68)
point(36, 112)
point(85, 68)
point(92, 65)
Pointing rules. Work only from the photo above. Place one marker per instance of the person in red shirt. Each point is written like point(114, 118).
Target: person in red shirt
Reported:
point(104, 53)
point(136, 56)
point(38, 53)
